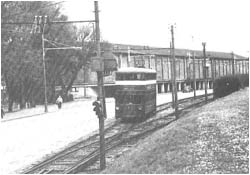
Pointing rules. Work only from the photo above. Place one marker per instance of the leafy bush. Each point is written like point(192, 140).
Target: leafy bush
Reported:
point(226, 85)
point(244, 80)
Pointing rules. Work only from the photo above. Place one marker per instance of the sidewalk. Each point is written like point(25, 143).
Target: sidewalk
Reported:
point(28, 140)
point(40, 110)
point(167, 97)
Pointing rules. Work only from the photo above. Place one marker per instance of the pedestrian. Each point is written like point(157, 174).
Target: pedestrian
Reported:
point(2, 113)
point(59, 102)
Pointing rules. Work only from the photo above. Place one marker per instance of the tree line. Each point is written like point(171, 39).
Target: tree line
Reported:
point(21, 56)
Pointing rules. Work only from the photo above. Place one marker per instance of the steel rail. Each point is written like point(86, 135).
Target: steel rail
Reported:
point(94, 157)
point(65, 153)
point(112, 142)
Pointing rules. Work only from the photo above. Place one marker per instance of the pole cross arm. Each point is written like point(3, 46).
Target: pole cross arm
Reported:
point(69, 22)
point(63, 48)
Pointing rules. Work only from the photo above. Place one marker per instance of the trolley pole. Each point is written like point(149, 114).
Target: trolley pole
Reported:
point(205, 69)
point(174, 73)
point(100, 90)
point(44, 70)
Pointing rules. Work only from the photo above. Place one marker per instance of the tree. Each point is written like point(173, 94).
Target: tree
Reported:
point(22, 52)
point(16, 57)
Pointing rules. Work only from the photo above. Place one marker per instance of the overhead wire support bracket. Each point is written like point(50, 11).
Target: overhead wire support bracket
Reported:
point(63, 22)
point(63, 48)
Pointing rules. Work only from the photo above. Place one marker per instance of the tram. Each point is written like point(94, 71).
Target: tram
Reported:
point(135, 96)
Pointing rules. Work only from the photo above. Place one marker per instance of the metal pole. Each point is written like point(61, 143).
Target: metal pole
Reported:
point(174, 73)
point(212, 70)
point(84, 72)
point(44, 73)
point(194, 75)
point(84, 81)
point(128, 56)
point(233, 63)
point(172, 79)
point(205, 69)
point(243, 69)
point(100, 94)
point(223, 68)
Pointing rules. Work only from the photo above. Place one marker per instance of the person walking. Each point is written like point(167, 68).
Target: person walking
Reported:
point(2, 113)
point(59, 102)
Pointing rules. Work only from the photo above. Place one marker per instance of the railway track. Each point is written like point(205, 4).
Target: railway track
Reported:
point(63, 157)
point(83, 156)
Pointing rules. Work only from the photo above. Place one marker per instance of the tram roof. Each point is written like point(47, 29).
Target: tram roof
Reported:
point(135, 70)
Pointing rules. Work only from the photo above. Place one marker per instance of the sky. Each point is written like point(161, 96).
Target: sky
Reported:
point(223, 24)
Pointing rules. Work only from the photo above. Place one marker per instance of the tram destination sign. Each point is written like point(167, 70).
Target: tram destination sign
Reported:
point(97, 64)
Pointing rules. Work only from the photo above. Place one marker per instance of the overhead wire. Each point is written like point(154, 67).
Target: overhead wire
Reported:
point(45, 6)
point(14, 31)
point(27, 23)
point(145, 49)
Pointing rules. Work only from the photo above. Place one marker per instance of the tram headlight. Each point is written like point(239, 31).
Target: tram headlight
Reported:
point(140, 108)
point(117, 108)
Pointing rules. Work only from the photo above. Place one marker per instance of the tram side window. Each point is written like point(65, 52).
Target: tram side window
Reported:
point(130, 99)
point(121, 76)
point(127, 76)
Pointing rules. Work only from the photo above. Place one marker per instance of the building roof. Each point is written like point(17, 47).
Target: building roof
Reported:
point(146, 50)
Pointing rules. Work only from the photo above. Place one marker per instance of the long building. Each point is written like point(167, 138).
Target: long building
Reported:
point(188, 63)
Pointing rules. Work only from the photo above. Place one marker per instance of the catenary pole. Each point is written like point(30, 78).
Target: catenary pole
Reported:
point(44, 70)
point(100, 90)
point(205, 69)
point(174, 73)
point(212, 70)
point(194, 78)
point(172, 79)
point(233, 67)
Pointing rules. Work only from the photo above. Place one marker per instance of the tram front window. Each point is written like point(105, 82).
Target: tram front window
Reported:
point(140, 76)
point(130, 76)
point(130, 99)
